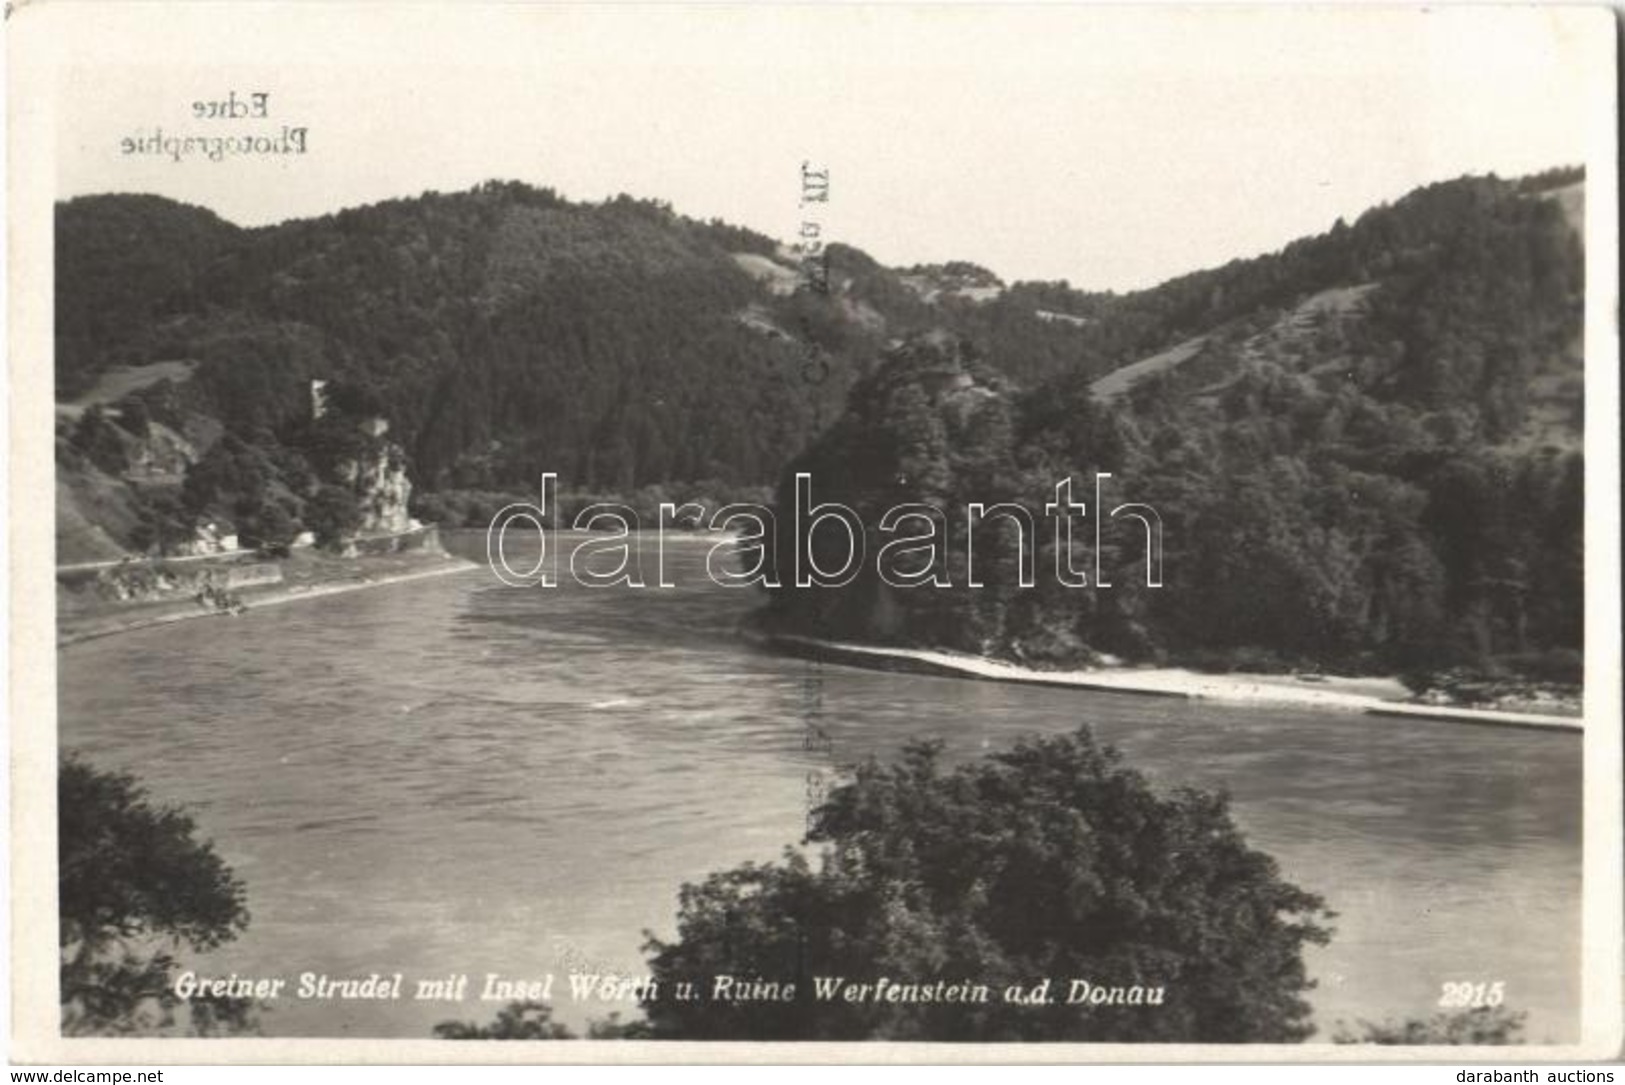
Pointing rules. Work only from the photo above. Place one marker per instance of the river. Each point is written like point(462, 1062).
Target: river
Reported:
point(456, 776)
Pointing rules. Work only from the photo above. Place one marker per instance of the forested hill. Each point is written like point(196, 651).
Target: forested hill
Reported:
point(501, 331)
point(505, 331)
point(1365, 451)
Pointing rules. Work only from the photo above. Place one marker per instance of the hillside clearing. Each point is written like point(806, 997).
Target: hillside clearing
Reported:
point(1336, 301)
point(1119, 381)
point(120, 381)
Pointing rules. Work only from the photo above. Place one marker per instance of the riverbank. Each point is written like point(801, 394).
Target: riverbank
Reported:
point(1364, 696)
point(87, 615)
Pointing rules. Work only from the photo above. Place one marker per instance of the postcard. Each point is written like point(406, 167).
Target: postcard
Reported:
point(814, 533)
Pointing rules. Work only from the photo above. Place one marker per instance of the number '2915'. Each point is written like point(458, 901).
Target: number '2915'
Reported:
point(1473, 996)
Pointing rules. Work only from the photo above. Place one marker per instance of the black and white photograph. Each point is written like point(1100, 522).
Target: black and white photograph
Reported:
point(841, 531)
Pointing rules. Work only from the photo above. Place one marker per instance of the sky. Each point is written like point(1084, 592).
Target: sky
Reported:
point(1112, 147)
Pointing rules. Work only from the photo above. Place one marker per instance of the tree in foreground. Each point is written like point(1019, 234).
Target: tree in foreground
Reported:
point(134, 885)
point(1477, 1028)
point(534, 1021)
point(515, 1021)
point(1051, 860)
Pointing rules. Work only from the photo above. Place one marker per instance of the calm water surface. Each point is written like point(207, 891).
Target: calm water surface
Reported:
point(452, 776)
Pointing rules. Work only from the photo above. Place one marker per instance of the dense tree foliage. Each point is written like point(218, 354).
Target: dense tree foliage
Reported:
point(502, 331)
point(133, 885)
point(515, 1021)
point(534, 1021)
point(1368, 456)
point(1382, 474)
point(96, 438)
point(1050, 860)
point(125, 266)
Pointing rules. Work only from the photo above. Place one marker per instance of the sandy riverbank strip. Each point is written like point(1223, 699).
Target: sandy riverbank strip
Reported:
point(112, 624)
point(1366, 696)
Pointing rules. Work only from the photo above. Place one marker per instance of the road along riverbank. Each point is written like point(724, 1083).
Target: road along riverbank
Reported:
point(117, 598)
